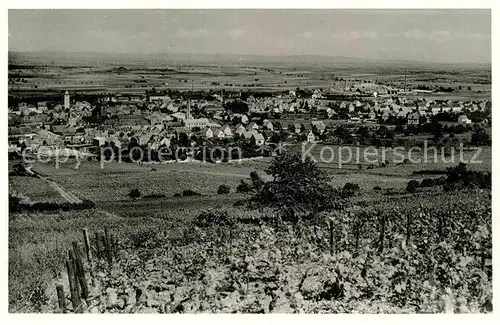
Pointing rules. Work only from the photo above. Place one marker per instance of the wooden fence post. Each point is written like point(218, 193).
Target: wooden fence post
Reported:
point(88, 249)
point(61, 298)
point(87, 244)
point(80, 273)
point(331, 236)
point(98, 245)
point(116, 248)
point(73, 286)
point(112, 245)
point(102, 238)
point(107, 245)
point(76, 281)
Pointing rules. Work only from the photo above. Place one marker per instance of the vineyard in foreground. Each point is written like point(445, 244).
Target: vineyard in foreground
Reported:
point(427, 253)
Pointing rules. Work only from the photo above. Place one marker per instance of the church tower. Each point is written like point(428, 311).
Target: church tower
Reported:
point(66, 100)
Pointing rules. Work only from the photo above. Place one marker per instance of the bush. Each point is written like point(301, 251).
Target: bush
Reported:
point(427, 182)
point(377, 188)
point(412, 186)
point(350, 189)
point(177, 194)
point(19, 170)
point(480, 137)
point(134, 194)
point(429, 172)
point(190, 193)
point(257, 182)
point(460, 177)
point(243, 187)
point(212, 218)
point(223, 189)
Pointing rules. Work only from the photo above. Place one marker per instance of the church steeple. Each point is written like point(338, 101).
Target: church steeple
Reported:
point(66, 100)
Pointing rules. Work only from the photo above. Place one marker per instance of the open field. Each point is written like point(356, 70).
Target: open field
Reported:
point(115, 180)
point(33, 189)
point(36, 74)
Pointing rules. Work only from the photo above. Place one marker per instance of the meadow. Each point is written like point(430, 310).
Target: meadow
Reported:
point(33, 189)
point(41, 75)
point(114, 181)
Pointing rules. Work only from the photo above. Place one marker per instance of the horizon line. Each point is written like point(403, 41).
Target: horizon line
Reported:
point(256, 55)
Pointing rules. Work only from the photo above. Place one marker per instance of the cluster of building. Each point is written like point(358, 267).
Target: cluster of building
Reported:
point(157, 119)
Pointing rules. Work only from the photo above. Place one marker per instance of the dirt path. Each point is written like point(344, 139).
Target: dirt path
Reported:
point(71, 198)
point(68, 196)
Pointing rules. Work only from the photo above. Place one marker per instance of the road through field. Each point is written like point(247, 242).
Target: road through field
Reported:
point(68, 196)
point(71, 198)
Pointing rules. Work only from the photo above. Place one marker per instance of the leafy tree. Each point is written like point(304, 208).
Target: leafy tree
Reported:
point(134, 194)
point(223, 189)
point(237, 106)
point(183, 140)
point(480, 137)
point(257, 182)
point(350, 189)
point(399, 129)
point(427, 182)
point(243, 187)
point(363, 132)
point(297, 184)
point(412, 186)
point(275, 138)
point(190, 193)
point(437, 131)
point(342, 132)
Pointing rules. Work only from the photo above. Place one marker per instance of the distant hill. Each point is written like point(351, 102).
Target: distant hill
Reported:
point(93, 58)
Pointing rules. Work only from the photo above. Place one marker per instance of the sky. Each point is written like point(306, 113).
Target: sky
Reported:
point(454, 36)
